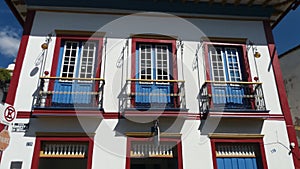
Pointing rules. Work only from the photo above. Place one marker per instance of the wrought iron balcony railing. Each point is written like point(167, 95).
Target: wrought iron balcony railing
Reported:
point(66, 93)
point(141, 94)
point(231, 96)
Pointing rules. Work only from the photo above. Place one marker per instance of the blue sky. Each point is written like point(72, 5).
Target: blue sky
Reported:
point(286, 33)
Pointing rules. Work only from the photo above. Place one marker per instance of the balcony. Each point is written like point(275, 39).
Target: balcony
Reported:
point(235, 98)
point(60, 93)
point(151, 96)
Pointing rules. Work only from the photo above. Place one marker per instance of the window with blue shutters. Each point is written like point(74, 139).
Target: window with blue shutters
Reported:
point(238, 156)
point(76, 68)
point(227, 75)
point(153, 64)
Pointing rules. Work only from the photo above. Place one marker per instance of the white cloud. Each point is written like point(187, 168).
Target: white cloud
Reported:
point(9, 42)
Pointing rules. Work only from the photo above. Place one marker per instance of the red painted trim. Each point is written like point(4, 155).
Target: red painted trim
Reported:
point(144, 139)
point(156, 114)
point(10, 99)
point(240, 140)
point(133, 61)
point(90, 153)
point(244, 57)
point(246, 63)
point(213, 150)
point(23, 114)
point(263, 153)
point(263, 115)
point(116, 115)
point(282, 93)
point(179, 152)
point(245, 67)
point(207, 69)
point(212, 43)
point(36, 154)
point(60, 112)
point(207, 61)
point(39, 140)
point(128, 149)
point(133, 69)
point(98, 69)
point(56, 57)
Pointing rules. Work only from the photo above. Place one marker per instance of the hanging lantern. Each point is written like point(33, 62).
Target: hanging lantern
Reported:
point(257, 55)
point(44, 46)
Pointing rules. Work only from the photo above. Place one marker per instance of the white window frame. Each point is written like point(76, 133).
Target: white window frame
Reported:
point(168, 63)
point(87, 62)
point(238, 62)
point(63, 59)
point(225, 54)
point(154, 60)
point(212, 67)
point(80, 55)
point(140, 63)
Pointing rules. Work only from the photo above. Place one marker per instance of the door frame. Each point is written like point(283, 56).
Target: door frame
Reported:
point(154, 40)
point(246, 139)
point(245, 67)
point(150, 139)
point(39, 140)
point(64, 35)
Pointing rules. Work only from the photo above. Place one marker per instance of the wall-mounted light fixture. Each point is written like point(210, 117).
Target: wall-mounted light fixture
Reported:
point(44, 45)
point(252, 45)
point(256, 54)
point(156, 133)
point(292, 146)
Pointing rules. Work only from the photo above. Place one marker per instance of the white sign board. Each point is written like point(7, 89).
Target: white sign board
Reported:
point(8, 114)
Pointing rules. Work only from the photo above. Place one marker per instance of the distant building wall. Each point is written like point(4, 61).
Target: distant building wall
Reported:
point(289, 63)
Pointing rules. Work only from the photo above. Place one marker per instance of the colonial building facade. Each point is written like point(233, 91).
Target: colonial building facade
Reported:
point(149, 85)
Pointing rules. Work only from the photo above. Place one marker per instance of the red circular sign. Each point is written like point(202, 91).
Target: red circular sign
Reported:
point(10, 114)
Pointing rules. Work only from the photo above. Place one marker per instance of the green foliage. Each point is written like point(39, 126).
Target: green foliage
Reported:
point(4, 76)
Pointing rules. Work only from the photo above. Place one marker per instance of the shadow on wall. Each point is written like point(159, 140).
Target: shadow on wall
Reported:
point(146, 124)
point(79, 125)
point(227, 125)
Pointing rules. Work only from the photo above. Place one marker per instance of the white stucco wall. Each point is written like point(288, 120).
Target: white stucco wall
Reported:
point(46, 23)
point(196, 146)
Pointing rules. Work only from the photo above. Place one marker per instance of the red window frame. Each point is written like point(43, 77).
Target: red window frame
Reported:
point(56, 57)
point(246, 67)
point(258, 141)
point(150, 139)
point(174, 73)
point(39, 140)
point(245, 62)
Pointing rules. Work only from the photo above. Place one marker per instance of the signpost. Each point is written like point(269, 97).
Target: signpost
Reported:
point(9, 115)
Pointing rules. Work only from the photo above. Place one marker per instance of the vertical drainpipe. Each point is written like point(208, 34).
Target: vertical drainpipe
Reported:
point(282, 93)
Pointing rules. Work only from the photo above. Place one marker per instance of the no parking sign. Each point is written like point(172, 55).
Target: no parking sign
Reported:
point(9, 115)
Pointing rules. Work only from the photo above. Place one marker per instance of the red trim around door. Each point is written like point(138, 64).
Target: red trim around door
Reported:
point(146, 139)
point(39, 140)
point(56, 57)
point(133, 59)
point(259, 141)
point(245, 63)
